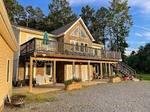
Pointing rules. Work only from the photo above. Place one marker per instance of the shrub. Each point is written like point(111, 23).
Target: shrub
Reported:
point(76, 79)
point(68, 82)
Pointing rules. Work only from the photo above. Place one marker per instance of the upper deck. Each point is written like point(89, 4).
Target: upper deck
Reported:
point(56, 49)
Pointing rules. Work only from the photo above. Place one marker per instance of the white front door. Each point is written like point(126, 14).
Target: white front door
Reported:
point(84, 72)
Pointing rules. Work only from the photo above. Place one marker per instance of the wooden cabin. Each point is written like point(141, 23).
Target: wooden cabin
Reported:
point(70, 52)
point(8, 46)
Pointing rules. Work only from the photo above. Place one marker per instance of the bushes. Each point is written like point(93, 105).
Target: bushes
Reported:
point(74, 79)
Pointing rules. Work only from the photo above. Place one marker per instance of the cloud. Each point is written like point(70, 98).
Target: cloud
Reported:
point(129, 50)
point(138, 34)
point(144, 34)
point(144, 5)
point(87, 2)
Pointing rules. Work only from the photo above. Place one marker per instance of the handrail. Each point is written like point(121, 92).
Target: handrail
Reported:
point(126, 68)
point(64, 47)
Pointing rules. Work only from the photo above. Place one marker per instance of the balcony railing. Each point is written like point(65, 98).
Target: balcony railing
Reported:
point(54, 47)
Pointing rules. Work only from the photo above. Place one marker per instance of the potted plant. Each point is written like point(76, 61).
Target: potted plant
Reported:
point(73, 84)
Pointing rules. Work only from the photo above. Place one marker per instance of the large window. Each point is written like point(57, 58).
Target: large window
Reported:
point(82, 47)
point(82, 34)
point(78, 32)
point(76, 46)
point(8, 69)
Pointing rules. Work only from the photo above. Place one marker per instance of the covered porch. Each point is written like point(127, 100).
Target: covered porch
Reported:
point(88, 70)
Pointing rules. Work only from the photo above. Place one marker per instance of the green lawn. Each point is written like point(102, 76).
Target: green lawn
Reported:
point(144, 77)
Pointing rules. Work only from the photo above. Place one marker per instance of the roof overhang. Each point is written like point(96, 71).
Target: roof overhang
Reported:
point(30, 30)
point(6, 30)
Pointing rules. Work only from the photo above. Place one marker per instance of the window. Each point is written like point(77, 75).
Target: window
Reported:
point(82, 34)
point(78, 32)
point(86, 49)
point(48, 67)
point(8, 67)
point(77, 46)
point(82, 47)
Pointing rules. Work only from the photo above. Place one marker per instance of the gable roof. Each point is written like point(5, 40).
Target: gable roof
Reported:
point(63, 30)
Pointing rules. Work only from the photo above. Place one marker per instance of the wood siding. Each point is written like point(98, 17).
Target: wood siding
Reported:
point(69, 36)
point(5, 54)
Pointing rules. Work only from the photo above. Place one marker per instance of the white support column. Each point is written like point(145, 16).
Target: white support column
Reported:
point(73, 69)
point(88, 70)
point(109, 70)
point(31, 75)
point(54, 75)
point(101, 67)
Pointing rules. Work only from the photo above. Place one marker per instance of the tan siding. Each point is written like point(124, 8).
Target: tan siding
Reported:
point(69, 37)
point(5, 54)
point(24, 36)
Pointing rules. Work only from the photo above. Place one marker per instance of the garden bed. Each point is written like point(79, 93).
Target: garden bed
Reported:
point(73, 86)
point(115, 80)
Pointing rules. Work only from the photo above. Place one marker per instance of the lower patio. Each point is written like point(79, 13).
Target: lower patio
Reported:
point(39, 89)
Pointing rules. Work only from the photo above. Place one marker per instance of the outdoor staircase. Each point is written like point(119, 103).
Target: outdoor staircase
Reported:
point(125, 69)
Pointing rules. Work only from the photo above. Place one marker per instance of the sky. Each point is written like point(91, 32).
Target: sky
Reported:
point(140, 11)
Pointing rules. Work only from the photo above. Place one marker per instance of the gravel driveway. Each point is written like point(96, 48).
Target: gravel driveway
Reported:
point(122, 97)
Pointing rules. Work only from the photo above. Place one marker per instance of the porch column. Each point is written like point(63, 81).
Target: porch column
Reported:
point(31, 74)
point(80, 72)
point(54, 75)
point(73, 69)
point(106, 70)
point(88, 70)
point(101, 67)
point(109, 70)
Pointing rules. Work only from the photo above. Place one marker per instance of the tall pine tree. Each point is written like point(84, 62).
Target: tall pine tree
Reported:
point(60, 14)
point(119, 24)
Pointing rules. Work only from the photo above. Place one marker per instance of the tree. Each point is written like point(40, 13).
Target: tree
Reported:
point(35, 18)
point(120, 22)
point(88, 15)
point(101, 29)
point(60, 14)
point(140, 61)
point(15, 11)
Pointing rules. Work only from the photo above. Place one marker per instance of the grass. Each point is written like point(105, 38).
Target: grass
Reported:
point(145, 77)
point(39, 98)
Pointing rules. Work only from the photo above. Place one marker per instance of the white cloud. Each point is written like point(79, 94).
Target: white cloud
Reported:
point(144, 5)
point(144, 34)
point(87, 2)
point(129, 50)
point(80, 2)
point(138, 34)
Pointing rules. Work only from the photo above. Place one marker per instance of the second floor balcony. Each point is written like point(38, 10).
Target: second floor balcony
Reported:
point(66, 50)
